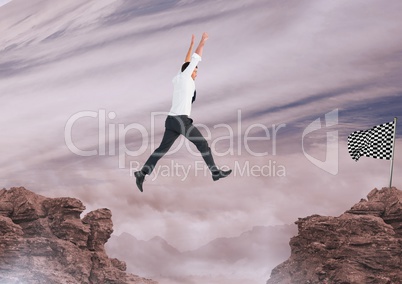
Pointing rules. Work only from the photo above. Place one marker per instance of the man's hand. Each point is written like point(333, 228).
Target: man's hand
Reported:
point(204, 37)
point(201, 44)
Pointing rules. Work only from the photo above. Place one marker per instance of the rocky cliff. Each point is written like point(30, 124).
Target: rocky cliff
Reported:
point(43, 240)
point(363, 245)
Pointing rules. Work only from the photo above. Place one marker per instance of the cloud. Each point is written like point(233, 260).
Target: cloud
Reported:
point(4, 2)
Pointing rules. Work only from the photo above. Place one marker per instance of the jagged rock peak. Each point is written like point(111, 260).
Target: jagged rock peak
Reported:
point(363, 245)
point(44, 240)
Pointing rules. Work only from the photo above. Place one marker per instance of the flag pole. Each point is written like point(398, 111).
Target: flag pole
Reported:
point(393, 155)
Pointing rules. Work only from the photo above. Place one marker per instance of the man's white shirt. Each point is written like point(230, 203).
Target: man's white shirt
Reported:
point(183, 89)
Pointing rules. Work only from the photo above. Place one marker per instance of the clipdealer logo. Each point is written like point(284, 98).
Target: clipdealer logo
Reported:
point(330, 164)
point(111, 141)
point(112, 144)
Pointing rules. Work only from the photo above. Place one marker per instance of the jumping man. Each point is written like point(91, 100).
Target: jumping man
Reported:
point(178, 121)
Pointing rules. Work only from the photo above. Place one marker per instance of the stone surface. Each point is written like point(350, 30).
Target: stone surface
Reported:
point(101, 226)
point(363, 245)
point(44, 240)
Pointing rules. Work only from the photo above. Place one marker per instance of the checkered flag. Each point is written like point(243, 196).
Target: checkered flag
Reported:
point(376, 142)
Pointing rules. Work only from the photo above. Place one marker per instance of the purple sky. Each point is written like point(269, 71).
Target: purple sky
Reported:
point(272, 62)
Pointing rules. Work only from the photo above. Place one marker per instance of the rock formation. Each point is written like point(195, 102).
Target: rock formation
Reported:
point(363, 245)
point(43, 240)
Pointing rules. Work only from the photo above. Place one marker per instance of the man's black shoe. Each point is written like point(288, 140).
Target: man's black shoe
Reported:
point(220, 174)
point(139, 176)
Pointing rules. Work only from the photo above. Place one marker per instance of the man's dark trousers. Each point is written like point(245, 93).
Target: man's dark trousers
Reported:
point(174, 127)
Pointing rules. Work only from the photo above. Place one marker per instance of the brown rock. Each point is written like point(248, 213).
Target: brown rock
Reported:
point(6, 206)
point(121, 265)
point(10, 240)
point(385, 203)
point(101, 228)
point(64, 220)
point(43, 240)
point(363, 245)
point(21, 205)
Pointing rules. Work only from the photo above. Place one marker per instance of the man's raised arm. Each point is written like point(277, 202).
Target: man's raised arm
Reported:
point(200, 47)
point(190, 50)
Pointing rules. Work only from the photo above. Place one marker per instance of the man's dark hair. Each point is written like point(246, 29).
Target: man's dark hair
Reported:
point(185, 65)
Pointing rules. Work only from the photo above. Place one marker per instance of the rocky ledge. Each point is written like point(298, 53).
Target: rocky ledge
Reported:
point(363, 245)
point(43, 240)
